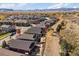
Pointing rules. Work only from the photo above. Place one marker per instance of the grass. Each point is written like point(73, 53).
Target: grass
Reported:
point(4, 35)
point(49, 28)
point(62, 46)
point(0, 46)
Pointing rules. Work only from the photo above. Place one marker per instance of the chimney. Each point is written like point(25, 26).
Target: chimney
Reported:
point(18, 32)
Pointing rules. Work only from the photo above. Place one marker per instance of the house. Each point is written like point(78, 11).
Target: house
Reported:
point(29, 37)
point(42, 18)
point(1, 22)
point(6, 22)
point(8, 28)
point(22, 22)
point(10, 17)
point(41, 25)
point(6, 52)
point(51, 20)
point(21, 46)
point(53, 17)
point(35, 30)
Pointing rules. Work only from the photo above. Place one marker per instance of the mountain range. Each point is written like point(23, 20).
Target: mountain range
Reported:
point(36, 10)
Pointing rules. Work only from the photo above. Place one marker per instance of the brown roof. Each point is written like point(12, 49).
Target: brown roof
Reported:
point(20, 44)
point(6, 52)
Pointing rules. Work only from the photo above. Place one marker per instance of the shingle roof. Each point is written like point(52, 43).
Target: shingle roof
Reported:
point(50, 21)
point(7, 21)
point(21, 44)
point(21, 21)
point(26, 37)
point(41, 25)
point(6, 52)
point(5, 26)
point(34, 30)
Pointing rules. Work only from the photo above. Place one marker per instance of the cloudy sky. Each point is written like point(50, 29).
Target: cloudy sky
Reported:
point(28, 6)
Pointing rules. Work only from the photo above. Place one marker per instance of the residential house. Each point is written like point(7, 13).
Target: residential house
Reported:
point(35, 30)
point(29, 37)
point(8, 28)
point(21, 23)
point(21, 46)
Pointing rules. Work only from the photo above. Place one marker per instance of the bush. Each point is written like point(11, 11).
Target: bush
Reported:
point(3, 44)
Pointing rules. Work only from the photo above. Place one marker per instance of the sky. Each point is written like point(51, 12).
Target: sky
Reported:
point(32, 6)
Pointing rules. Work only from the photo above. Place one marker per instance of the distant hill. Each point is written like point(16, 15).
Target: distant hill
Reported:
point(59, 9)
point(5, 9)
point(42, 10)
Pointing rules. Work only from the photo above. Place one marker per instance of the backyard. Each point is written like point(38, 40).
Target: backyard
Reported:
point(4, 35)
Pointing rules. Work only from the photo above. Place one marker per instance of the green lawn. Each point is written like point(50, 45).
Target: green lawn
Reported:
point(4, 35)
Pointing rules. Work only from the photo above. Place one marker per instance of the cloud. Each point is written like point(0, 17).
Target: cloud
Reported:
point(58, 5)
point(17, 6)
point(7, 5)
point(55, 6)
point(75, 6)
